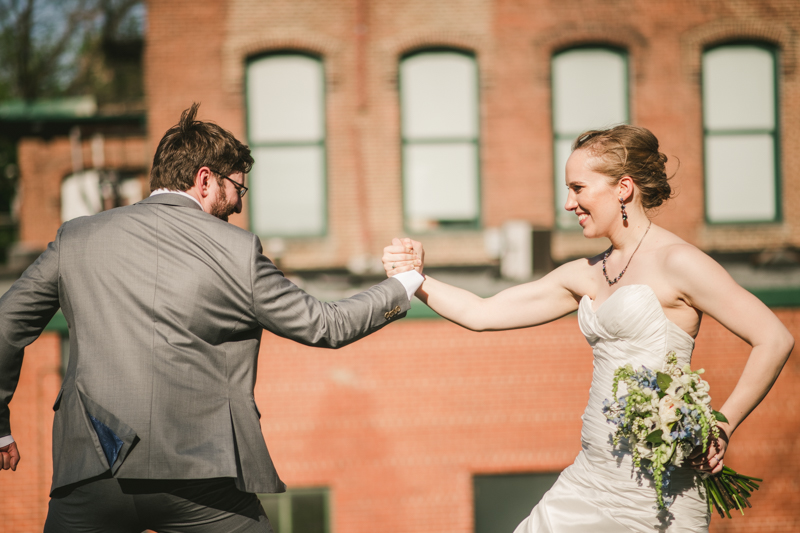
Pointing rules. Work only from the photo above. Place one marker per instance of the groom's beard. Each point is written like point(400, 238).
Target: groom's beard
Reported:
point(221, 209)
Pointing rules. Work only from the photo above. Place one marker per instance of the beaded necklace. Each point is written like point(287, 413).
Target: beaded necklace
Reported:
point(608, 252)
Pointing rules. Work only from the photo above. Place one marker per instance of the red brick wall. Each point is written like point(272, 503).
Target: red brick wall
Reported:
point(44, 163)
point(196, 51)
point(26, 491)
point(664, 42)
point(397, 424)
point(361, 43)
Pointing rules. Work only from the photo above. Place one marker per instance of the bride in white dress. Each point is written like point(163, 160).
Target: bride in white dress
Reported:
point(642, 298)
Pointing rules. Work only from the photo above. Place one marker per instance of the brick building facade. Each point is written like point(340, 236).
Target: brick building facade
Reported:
point(361, 45)
point(398, 427)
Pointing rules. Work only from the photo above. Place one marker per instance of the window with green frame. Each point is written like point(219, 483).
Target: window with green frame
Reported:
point(502, 501)
point(740, 125)
point(440, 133)
point(590, 91)
point(286, 133)
point(298, 510)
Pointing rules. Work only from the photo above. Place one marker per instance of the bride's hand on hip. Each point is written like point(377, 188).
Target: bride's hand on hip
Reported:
point(711, 461)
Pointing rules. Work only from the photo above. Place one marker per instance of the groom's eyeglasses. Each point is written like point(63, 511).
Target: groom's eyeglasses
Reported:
point(240, 189)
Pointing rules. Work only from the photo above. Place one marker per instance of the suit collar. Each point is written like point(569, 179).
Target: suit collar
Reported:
point(169, 198)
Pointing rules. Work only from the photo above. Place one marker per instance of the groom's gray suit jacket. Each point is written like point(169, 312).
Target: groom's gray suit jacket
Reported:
point(165, 306)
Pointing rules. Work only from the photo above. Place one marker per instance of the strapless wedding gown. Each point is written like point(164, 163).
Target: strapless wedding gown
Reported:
point(601, 491)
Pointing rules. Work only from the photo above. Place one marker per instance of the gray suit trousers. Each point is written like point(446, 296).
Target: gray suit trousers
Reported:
point(110, 505)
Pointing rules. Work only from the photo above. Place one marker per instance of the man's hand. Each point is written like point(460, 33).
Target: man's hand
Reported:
point(402, 256)
point(9, 456)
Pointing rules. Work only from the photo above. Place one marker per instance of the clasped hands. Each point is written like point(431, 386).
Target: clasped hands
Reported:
point(403, 255)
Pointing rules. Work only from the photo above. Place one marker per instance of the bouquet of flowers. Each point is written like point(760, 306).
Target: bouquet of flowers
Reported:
point(664, 416)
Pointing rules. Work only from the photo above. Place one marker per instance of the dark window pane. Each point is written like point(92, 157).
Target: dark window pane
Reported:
point(271, 504)
point(308, 513)
point(503, 501)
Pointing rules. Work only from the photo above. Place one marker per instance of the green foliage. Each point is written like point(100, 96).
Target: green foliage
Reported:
point(663, 380)
point(52, 48)
point(58, 48)
point(656, 437)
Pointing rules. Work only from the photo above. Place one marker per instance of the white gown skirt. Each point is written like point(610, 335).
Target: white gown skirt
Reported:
point(586, 499)
point(601, 492)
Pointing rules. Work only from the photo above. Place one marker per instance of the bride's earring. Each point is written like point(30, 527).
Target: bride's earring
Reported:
point(622, 206)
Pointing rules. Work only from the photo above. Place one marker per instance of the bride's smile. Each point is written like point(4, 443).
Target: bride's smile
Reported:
point(591, 197)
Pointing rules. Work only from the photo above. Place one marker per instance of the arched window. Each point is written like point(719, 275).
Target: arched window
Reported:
point(286, 132)
point(741, 134)
point(590, 91)
point(441, 139)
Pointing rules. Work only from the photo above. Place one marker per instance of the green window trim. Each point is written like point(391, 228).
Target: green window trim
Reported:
point(774, 134)
point(305, 510)
point(502, 501)
point(560, 137)
point(321, 143)
point(443, 224)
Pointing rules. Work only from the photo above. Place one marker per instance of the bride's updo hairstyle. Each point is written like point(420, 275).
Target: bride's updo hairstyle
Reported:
point(629, 151)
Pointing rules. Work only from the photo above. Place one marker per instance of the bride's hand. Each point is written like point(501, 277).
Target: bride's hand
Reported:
point(400, 257)
point(711, 461)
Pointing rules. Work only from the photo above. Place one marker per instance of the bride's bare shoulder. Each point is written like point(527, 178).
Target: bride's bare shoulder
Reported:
point(675, 255)
point(668, 245)
point(584, 265)
point(580, 275)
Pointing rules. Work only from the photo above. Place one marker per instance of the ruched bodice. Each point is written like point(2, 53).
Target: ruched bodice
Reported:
point(629, 327)
point(601, 491)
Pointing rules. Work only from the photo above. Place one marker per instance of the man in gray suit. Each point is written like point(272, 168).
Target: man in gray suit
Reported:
point(156, 426)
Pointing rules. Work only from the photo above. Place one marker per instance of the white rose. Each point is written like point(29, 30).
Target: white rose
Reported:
point(668, 413)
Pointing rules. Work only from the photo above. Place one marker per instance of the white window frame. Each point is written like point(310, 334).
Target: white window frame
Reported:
point(472, 142)
point(320, 144)
point(715, 133)
point(562, 220)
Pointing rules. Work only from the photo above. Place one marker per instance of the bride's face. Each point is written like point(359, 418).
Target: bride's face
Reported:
point(591, 196)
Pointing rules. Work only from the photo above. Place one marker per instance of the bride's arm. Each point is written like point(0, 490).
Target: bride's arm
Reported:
point(706, 286)
point(529, 304)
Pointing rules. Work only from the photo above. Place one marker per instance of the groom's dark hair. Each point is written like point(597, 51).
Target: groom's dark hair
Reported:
point(192, 144)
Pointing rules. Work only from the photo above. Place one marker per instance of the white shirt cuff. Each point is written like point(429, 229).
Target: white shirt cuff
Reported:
point(411, 280)
point(5, 441)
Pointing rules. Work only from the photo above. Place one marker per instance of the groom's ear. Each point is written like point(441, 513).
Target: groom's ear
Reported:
point(202, 181)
